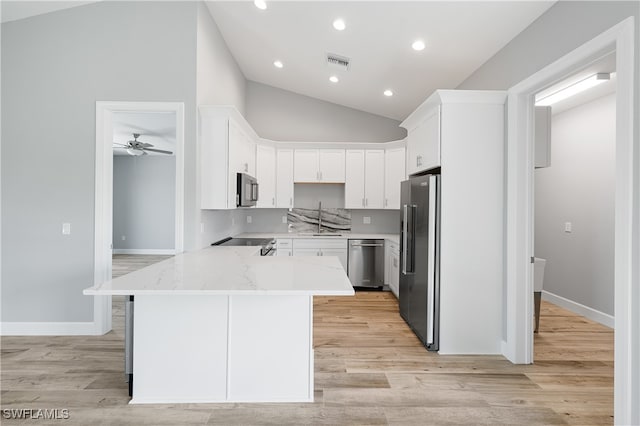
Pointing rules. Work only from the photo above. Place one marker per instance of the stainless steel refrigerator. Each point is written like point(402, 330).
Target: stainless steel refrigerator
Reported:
point(420, 257)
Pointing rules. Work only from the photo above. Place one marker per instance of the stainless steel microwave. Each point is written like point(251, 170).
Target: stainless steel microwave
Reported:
point(247, 190)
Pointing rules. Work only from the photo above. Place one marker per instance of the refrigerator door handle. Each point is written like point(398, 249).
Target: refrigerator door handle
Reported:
point(408, 239)
point(431, 259)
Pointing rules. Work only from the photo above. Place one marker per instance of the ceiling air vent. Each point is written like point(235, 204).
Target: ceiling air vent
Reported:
point(338, 61)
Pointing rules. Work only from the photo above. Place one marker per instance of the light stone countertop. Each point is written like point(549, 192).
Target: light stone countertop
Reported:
point(232, 271)
point(343, 235)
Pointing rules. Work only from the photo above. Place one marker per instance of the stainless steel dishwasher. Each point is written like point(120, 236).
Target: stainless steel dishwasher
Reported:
point(366, 263)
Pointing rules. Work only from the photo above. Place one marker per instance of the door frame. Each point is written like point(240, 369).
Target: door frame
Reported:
point(518, 344)
point(103, 225)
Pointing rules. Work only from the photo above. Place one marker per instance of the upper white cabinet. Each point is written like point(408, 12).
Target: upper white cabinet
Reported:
point(423, 140)
point(284, 178)
point(364, 188)
point(542, 136)
point(319, 166)
point(266, 175)
point(394, 174)
point(227, 147)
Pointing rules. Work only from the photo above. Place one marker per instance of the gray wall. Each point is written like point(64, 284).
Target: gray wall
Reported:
point(281, 115)
point(579, 187)
point(219, 82)
point(144, 191)
point(54, 68)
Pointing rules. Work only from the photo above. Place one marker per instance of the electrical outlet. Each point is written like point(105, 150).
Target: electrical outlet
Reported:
point(249, 219)
point(366, 220)
point(567, 227)
point(284, 219)
point(66, 229)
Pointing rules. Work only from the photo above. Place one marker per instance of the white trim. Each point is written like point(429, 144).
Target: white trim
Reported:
point(47, 328)
point(519, 220)
point(580, 309)
point(144, 251)
point(104, 194)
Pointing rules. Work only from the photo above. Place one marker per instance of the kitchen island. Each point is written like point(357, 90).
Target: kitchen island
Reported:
point(223, 324)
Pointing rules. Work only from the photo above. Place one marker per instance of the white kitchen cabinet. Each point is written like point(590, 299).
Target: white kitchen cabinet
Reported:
point(394, 174)
point(266, 175)
point(364, 183)
point(319, 166)
point(226, 147)
point(423, 141)
point(284, 178)
point(542, 136)
point(392, 267)
point(322, 247)
point(472, 212)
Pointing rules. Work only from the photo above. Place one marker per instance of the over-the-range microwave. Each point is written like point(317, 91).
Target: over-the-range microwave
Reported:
point(247, 190)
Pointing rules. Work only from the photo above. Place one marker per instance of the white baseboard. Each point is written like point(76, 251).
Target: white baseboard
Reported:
point(144, 251)
point(575, 307)
point(48, 329)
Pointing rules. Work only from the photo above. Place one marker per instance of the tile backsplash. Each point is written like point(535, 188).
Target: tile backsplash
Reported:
point(331, 220)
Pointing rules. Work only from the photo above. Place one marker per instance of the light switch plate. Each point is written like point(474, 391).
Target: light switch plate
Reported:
point(66, 229)
point(567, 227)
point(249, 219)
point(366, 220)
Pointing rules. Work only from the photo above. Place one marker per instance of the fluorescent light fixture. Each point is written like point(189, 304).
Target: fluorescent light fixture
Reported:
point(418, 45)
point(339, 24)
point(260, 4)
point(333, 79)
point(573, 89)
point(388, 92)
point(277, 64)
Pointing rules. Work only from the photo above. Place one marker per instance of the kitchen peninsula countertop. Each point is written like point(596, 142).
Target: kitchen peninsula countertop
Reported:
point(232, 271)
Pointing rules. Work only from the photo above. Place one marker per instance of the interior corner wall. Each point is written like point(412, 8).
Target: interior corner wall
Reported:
point(579, 187)
point(219, 81)
point(54, 68)
point(281, 115)
point(144, 194)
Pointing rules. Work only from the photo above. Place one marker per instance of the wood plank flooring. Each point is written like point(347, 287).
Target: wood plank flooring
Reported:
point(369, 369)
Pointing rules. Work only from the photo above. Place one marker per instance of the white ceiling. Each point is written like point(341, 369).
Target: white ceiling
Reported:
point(156, 128)
point(459, 36)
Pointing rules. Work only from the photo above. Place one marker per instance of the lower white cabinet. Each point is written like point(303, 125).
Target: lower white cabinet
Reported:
point(321, 247)
point(392, 267)
point(284, 247)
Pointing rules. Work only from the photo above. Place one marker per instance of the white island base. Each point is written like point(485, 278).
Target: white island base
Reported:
point(222, 348)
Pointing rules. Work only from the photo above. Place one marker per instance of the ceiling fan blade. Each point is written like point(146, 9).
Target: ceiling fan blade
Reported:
point(144, 145)
point(161, 151)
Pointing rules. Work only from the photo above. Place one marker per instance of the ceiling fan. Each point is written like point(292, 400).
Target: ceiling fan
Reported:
point(135, 147)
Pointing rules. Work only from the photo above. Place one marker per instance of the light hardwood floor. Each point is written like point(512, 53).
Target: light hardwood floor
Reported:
point(370, 369)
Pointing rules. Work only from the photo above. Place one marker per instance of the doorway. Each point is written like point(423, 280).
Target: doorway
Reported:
point(518, 345)
point(107, 116)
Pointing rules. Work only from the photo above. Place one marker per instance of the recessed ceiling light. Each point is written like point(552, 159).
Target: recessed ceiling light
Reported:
point(278, 64)
point(418, 45)
point(339, 24)
point(333, 79)
point(388, 92)
point(260, 4)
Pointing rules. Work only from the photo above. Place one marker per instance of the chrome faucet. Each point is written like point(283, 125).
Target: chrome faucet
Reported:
point(319, 217)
